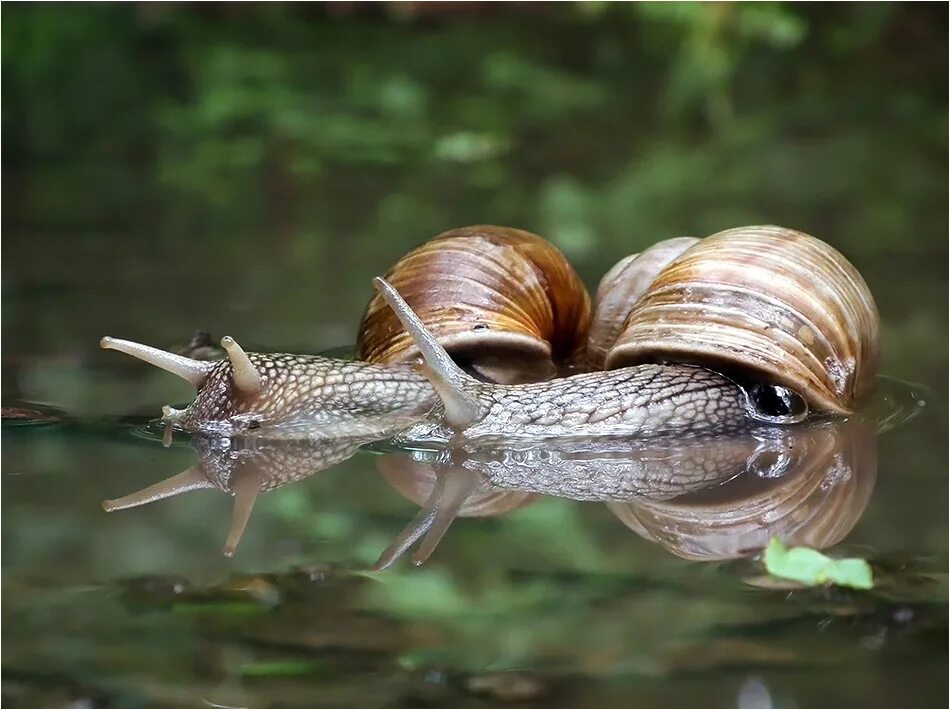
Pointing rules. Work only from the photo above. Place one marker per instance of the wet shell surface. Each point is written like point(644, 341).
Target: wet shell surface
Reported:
point(502, 300)
point(763, 302)
point(622, 286)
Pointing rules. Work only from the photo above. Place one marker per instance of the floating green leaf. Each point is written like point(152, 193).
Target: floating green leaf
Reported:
point(811, 567)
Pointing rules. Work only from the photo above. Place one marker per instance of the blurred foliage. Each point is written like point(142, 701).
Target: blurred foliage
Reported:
point(248, 156)
point(606, 124)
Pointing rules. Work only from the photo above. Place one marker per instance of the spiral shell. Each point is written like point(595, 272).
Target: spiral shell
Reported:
point(762, 302)
point(503, 301)
point(622, 286)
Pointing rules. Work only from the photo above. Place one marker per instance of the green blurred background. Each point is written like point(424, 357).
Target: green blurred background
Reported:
point(248, 168)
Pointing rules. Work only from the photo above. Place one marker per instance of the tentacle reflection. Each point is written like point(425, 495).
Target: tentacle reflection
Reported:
point(245, 468)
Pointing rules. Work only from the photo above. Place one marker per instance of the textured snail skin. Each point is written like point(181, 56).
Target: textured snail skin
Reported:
point(303, 396)
point(643, 401)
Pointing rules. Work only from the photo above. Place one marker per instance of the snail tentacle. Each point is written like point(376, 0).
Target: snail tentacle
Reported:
point(452, 489)
point(171, 417)
point(450, 382)
point(194, 371)
point(410, 535)
point(247, 379)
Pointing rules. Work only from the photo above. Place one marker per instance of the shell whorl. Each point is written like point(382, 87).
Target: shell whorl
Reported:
point(622, 286)
point(766, 302)
point(503, 300)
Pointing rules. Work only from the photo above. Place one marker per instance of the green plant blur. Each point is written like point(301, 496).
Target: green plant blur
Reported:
point(598, 127)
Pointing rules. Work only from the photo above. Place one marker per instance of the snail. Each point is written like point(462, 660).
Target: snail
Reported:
point(751, 325)
point(282, 395)
point(461, 280)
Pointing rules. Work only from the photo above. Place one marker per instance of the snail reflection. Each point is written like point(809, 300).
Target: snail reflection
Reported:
point(715, 497)
point(811, 495)
point(245, 468)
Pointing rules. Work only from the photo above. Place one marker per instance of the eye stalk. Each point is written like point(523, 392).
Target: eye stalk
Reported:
point(194, 371)
point(447, 378)
point(246, 377)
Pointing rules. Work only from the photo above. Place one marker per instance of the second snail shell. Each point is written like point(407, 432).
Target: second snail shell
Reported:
point(763, 302)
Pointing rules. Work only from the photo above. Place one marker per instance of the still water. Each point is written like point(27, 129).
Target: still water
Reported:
point(610, 577)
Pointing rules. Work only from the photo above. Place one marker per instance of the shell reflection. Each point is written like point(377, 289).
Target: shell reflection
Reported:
point(813, 495)
point(701, 498)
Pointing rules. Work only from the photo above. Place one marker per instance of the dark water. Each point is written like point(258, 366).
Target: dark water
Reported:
point(248, 171)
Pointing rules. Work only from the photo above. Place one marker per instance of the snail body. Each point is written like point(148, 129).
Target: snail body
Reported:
point(646, 400)
point(753, 325)
point(643, 401)
point(288, 396)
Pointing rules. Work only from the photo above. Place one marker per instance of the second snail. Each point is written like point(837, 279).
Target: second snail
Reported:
point(487, 333)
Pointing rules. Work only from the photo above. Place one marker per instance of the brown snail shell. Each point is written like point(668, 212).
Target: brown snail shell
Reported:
point(764, 302)
point(623, 286)
point(503, 301)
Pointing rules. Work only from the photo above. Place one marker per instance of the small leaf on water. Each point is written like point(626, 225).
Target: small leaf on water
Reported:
point(811, 567)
